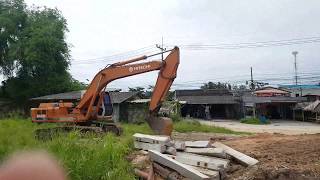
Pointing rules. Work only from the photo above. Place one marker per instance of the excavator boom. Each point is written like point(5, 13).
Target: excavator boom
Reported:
point(93, 100)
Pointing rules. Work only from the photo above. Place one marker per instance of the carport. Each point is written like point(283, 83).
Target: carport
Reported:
point(307, 111)
point(278, 107)
point(211, 107)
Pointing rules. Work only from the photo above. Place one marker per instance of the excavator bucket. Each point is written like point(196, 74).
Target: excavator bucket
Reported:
point(160, 125)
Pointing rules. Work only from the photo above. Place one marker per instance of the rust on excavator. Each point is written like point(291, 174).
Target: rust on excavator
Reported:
point(95, 109)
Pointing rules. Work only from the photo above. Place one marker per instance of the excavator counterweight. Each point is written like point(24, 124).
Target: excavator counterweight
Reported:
point(94, 109)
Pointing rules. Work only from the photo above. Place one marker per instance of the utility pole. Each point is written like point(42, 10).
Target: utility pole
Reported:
point(161, 48)
point(294, 53)
point(252, 83)
point(252, 88)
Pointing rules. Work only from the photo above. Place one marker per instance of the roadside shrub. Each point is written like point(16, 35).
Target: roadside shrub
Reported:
point(254, 121)
point(175, 117)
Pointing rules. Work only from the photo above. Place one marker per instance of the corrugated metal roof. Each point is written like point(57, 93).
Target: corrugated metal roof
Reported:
point(119, 97)
point(313, 107)
point(209, 99)
point(73, 95)
point(302, 86)
point(277, 91)
point(116, 97)
point(202, 92)
point(256, 99)
point(140, 101)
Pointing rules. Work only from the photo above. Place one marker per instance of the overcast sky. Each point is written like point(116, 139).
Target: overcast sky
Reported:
point(101, 28)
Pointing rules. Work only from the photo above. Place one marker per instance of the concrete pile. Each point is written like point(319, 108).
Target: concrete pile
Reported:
point(187, 159)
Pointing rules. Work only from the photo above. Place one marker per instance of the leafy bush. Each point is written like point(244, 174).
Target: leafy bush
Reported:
point(175, 117)
point(254, 121)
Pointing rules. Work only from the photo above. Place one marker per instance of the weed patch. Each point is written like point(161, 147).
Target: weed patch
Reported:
point(254, 121)
point(195, 126)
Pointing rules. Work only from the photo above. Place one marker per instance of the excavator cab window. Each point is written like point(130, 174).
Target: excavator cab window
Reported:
point(107, 104)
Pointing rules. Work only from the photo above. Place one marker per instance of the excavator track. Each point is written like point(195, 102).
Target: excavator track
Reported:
point(50, 133)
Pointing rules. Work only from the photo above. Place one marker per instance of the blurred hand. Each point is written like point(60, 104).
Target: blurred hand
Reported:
point(31, 166)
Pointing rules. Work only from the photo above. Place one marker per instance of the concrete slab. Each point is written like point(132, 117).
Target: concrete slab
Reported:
point(198, 144)
point(148, 146)
point(171, 150)
point(242, 158)
point(214, 175)
point(212, 163)
point(177, 166)
point(151, 138)
point(215, 152)
point(180, 145)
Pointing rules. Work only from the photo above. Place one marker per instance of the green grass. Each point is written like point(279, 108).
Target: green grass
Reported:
point(195, 126)
point(86, 157)
point(82, 157)
point(254, 121)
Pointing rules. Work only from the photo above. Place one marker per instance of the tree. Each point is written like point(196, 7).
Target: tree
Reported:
point(12, 22)
point(218, 85)
point(139, 90)
point(148, 92)
point(34, 57)
point(239, 87)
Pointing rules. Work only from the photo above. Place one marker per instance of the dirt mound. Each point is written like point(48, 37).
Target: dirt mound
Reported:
point(280, 156)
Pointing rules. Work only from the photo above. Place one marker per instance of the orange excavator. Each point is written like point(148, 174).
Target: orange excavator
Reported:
point(94, 111)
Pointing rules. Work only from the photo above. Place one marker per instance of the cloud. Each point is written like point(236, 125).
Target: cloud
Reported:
point(101, 28)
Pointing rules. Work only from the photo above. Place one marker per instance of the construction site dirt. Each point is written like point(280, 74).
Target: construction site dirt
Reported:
point(280, 156)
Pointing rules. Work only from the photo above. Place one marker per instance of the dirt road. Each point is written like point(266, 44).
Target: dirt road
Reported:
point(280, 126)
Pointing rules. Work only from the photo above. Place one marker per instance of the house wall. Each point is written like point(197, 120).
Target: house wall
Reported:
point(116, 113)
point(275, 110)
point(217, 111)
point(312, 98)
point(137, 112)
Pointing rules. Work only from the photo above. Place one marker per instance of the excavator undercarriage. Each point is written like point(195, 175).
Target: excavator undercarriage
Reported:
point(93, 128)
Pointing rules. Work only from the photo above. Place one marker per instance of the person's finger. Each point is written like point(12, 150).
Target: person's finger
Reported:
point(31, 166)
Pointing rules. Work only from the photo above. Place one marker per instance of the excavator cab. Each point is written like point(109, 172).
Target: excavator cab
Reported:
point(104, 103)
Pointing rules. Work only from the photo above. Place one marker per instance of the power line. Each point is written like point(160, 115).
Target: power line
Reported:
point(114, 59)
point(286, 42)
point(132, 52)
point(208, 46)
point(265, 77)
point(243, 80)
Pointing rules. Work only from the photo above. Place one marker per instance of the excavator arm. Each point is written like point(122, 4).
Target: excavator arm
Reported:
point(167, 74)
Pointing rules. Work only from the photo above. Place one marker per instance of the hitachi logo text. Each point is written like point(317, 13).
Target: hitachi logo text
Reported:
point(137, 68)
